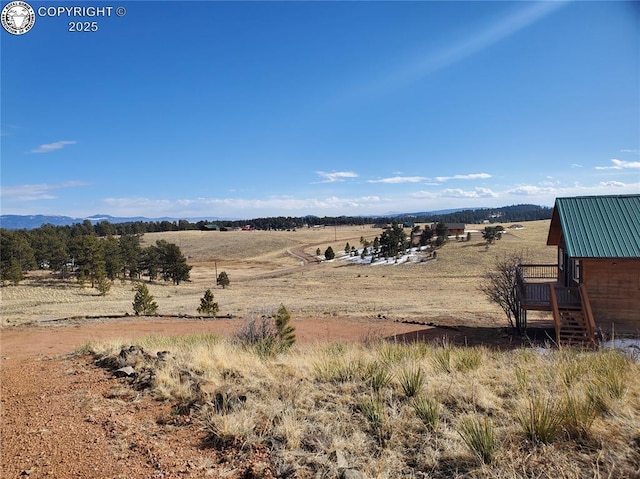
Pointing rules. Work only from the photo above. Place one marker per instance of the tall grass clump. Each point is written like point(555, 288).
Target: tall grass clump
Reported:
point(337, 370)
point(479, 436)
point(468, 359)
point(182, 342)
point(411, 379)
point(578, 414)
point(393, 353)
point(441, 360)
point(541, 420)
point(225, 429)
point(611, 371)
point(428, 411)
point(378, 375)
point(373, 409)
point(571, 367)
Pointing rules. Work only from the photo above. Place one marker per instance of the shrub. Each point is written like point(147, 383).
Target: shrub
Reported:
point(329, 254)
point(268, 335)
point(256, 331)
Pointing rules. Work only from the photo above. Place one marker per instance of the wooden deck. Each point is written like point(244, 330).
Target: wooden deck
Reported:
point(538, 289)
point(533, 281)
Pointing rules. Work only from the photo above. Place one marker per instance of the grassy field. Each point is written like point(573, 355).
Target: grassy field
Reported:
point(389, 410)
point(264, 274)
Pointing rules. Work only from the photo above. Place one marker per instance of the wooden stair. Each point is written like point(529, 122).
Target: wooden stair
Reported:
point(574, 323)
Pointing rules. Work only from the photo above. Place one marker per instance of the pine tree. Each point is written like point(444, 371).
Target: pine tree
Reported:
point(223, 279)
point(207, 305)
point(103, 284)
point(286, 332)
point(143, 302)
point(11, 272)
point(173, 264)
point(329, 254)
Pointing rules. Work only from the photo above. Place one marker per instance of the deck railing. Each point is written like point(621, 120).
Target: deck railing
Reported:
point(533, 284)
point(530, 272)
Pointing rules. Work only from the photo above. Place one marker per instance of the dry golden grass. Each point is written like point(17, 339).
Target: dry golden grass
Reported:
point(264, 274)
point(319, 410)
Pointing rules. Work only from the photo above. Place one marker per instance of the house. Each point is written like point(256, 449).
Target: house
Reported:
point(453, 229)
point(210, 227)
point(595, 285)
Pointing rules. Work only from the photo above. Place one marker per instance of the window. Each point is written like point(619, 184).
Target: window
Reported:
point(560, 259)
point(576, 270)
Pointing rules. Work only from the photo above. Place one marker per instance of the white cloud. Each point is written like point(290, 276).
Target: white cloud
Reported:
point(546, 195)
point(530, 190)
point(475, 193)
point(472, 176)
point(620, 165)
point(336, 176)
point(41, 191)
point(629, 150)
point(49, 147)
point(400, 179)
point(615, 184)
point(239, 207)
point(576, 165)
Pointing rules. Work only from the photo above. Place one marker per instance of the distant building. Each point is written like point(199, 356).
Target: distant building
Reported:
point(453, 229)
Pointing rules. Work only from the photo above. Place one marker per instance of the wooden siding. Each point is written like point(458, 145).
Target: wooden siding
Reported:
point(614, 292)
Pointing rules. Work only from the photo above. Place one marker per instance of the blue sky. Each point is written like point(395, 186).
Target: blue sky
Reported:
point(250, 109)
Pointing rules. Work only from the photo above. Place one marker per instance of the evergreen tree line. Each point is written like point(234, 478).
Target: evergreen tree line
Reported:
point(504, 214)
point(83, 254)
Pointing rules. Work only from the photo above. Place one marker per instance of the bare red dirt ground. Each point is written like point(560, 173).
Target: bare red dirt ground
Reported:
point(63, 417)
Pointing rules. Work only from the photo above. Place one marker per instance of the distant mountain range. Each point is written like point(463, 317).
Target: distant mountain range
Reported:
point(468, 215)
point(18, 222)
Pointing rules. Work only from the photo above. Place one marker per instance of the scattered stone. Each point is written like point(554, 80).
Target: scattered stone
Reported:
point(162, 355)
point(352, 474)
point(127, 371)
point(341, 460)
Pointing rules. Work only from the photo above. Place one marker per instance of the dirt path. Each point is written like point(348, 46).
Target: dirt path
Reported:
point(62, 417)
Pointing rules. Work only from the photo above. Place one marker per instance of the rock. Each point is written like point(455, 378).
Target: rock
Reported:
point(162, 355)
point(127, 371)
point(352, 474)
point(341, 460)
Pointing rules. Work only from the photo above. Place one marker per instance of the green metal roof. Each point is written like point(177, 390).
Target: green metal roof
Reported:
point(599, 226)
